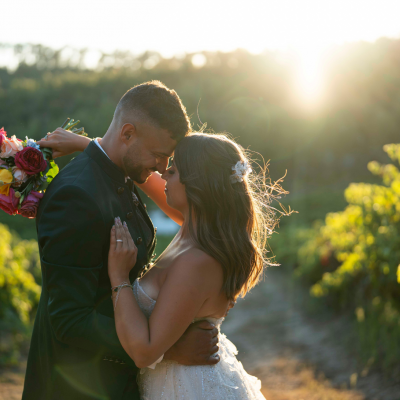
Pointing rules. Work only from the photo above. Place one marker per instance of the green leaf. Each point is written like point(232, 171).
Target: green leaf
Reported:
point(43, 173)
point(27, 189)
point(42, 186)
point(10, 161)
point(47, 153)
point(53, 171)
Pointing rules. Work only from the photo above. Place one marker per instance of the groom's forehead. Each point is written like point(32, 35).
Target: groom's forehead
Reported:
point(162, 143)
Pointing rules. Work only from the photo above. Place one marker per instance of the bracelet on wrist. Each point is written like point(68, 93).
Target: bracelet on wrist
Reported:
point(117, 289)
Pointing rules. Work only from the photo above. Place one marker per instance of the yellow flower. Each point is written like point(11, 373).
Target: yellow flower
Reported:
point(6, 177)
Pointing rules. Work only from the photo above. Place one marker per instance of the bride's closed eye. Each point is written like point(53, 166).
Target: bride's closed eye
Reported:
point(171, 170)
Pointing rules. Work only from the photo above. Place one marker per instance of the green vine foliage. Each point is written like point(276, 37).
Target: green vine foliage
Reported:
point(352, 260)
point(20, 281)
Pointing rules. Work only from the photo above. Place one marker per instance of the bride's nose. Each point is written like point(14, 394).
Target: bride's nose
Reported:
point(165, 175)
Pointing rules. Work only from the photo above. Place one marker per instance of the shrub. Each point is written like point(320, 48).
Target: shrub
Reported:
point(19, 293)
point(352, 260)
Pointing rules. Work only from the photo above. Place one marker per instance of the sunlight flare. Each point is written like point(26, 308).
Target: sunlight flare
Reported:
point(309, 82)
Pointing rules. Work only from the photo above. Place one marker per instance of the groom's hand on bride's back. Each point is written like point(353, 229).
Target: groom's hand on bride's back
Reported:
point(197, 346)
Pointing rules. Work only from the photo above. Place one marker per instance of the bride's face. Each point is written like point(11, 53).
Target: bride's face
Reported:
point(174, 189)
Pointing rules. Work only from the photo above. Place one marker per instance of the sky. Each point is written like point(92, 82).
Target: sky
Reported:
point(305, 28)
point(176, 26)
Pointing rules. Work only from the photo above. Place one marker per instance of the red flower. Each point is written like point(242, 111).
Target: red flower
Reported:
point(30, 160)
point(9, 203)
point(3, 135)
point(30, 205)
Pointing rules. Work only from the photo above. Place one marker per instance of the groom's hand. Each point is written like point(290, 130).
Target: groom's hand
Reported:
point(197, 346)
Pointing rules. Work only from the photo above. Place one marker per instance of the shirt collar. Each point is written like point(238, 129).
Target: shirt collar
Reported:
point(104, 162)
point(96, 140)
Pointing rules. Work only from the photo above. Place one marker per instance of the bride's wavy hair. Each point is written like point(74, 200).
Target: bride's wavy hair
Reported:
point(229, 221)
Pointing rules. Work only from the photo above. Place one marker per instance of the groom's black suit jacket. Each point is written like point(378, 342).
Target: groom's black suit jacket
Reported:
point(75, 353)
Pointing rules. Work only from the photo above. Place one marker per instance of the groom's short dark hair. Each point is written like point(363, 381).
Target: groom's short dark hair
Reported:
point(159, 104)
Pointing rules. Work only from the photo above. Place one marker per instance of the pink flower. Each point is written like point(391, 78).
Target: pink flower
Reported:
point(10, 147)
point(30, 205)
point(3, 135)
point(9, 203)
point(20, 176)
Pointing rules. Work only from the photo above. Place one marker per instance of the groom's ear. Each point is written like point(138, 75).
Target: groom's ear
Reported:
point(128, 133)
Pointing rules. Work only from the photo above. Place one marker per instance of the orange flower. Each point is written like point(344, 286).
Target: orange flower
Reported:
point(10, 147)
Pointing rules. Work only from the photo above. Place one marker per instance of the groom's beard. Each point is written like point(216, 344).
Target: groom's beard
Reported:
point(139, 175)
point(136, 172)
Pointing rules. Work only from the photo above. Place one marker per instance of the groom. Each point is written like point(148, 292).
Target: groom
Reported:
point(75, 353)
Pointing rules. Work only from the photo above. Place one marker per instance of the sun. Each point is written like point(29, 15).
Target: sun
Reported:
point(309, 74)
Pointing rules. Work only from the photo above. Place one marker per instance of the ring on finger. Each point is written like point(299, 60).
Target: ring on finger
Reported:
point(119, 240)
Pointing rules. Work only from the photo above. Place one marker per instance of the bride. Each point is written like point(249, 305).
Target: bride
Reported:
point(217, 255)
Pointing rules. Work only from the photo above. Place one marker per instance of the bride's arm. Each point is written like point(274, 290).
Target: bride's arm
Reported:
point(191, 280)
point(154, 188)
point(64, 142)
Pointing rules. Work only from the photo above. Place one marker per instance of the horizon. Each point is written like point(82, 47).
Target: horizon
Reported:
point(301, 33)
point(304, 26)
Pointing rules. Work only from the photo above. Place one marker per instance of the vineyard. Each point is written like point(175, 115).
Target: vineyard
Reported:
point(343, 245)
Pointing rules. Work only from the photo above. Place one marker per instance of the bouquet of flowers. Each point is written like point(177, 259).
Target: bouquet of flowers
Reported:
point(26, 169)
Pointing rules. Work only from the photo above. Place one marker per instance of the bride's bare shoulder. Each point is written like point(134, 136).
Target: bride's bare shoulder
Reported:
point(198, 264)
point(197, 257)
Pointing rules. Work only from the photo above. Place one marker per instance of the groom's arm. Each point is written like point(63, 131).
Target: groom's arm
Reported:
point(72, 235)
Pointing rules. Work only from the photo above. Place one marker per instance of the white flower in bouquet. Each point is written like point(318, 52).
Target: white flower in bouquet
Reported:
point(20, 176)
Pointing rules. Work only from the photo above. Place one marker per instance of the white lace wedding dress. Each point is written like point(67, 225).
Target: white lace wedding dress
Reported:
point(226, 380)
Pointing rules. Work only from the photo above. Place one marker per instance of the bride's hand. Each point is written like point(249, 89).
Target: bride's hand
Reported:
point(122, 255)
point(64, 142)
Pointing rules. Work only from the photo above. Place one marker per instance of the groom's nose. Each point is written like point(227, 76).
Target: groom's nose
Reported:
point(162, 166)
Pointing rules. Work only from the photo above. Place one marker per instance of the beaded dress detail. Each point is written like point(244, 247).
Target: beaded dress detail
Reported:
point(169, 380)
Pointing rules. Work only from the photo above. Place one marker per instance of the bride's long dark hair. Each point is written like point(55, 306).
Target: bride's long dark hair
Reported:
point(232, 220)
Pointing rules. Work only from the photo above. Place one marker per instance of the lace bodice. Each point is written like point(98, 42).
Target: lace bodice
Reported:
point(146, 303)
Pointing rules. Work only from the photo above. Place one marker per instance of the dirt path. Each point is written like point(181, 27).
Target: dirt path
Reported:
point(11, 383)
point(296, 358)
